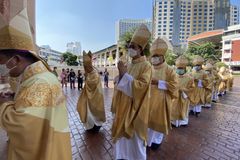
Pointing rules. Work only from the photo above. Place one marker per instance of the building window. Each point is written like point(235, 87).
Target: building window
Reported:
point(227, 42)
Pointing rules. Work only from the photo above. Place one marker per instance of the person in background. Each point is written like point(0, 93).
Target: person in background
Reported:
point(90, 104)
point(80, 80)
point(72, 76)
point(106, 78)
point(209, 89)
point(63, 77)
point(230, 80)
point(55, 71)
point(201, 83)
point(224, 79)
point(68, 75)
point(180, 108)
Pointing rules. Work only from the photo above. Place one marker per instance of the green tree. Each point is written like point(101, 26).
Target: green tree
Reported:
point(170, 57)
point(221, 64)
point(207, 51)
point(70, 59)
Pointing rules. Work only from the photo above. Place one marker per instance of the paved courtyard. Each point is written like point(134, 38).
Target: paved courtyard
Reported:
point(214, 135)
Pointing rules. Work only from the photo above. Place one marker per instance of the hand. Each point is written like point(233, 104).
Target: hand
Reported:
point(122, 68)
point(154, 82)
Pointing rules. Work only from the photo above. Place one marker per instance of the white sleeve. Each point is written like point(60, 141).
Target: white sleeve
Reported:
point(184, 95)
point(200, 85)
point(162, 85)
point(125, 84)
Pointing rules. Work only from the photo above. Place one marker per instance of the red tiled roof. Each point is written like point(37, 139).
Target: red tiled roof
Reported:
point(206, 35)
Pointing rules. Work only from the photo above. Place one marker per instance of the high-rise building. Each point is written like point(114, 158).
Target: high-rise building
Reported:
point(163, 19)
point(222, 14)
point(231, 47)
point(178, 19)
point(52, 57)
point(74, 48)
point(126, 25)
point(234, 15)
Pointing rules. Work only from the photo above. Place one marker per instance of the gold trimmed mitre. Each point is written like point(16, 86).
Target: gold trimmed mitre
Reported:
point(141, 36)
point(15, 32)
point(198, 60)
point(160, 47)
point(208, 67)
point(181, 61)
point(87, 59)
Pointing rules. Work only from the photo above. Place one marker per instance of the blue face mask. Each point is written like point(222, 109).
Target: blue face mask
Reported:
point(180, 71)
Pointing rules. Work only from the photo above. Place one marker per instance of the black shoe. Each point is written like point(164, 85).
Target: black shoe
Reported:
point(95, 129)
point(191, 112)
point(173, 126)
point(214, 101)
point(155, 146)
point(197, 114)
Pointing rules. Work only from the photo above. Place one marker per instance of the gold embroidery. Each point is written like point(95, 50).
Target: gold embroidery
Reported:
point(40, 95)
point(14, 39)
point(33, 69)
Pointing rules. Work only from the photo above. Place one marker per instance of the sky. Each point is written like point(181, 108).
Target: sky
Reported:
point(91, 22)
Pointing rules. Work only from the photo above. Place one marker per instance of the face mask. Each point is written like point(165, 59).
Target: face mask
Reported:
point(196, 68)
point(12, 67)
point(132, 53)
point(155, 60)
point(180, 71)
point(4, 71)
point(207, 72)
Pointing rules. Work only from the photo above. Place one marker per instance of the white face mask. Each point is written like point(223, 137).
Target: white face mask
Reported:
point(132, 53)
point(155, 60)
point(4, 71)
